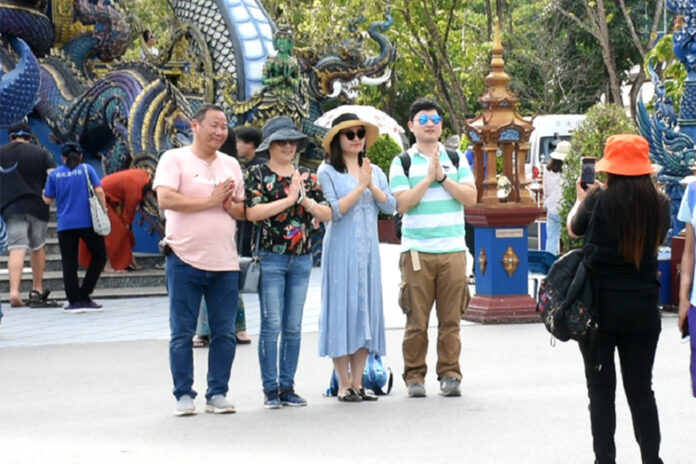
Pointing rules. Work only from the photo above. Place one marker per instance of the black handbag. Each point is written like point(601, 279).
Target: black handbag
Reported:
point(566, 293)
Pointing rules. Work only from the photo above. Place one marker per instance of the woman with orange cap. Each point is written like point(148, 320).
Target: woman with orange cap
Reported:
point(629, 218)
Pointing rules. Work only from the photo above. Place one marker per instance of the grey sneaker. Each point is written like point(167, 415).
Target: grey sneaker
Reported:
point(449, 386)
point(218, 404)
point(416, 390)
point(185, 406)
point(271, 400)
point(288, 397)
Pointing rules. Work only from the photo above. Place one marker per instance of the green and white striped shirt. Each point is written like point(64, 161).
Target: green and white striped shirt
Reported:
point(436, 223)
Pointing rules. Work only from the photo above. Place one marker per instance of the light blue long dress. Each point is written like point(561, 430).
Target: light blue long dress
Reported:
point(351, 291)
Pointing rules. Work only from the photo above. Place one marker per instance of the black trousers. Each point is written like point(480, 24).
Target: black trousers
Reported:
point(69, 241)
point(636, 355)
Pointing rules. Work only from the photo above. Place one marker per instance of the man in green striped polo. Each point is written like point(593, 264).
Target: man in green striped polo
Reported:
point(432, 197)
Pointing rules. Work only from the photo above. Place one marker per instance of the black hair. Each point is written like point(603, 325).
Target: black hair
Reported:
point(72, 152)
point(147, 188)
point(554, 165)
point(147, 35)
point(249, 135)
point(200, 113)
point(73, 159)
point(639, 215)
point(335, 155)
point(423, 104)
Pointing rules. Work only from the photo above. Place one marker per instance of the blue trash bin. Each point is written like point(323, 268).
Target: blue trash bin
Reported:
point(664, 259)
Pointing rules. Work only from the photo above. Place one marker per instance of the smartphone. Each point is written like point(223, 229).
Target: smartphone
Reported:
point(587, 171)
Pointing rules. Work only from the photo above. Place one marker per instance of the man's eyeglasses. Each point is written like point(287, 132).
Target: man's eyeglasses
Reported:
point(350, 135)
point(435, 118)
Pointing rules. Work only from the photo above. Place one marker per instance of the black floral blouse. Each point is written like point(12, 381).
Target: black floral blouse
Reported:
point(289, 232)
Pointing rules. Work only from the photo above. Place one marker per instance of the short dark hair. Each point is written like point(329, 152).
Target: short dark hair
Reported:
point(19, 130)
point(147, 35)
point(249, 135)
point(200, 113)
point(423, 104)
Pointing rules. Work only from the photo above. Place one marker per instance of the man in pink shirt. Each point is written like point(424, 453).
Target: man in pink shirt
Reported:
point(202, 193)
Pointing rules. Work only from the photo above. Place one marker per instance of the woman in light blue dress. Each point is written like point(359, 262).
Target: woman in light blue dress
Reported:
point(351, 324)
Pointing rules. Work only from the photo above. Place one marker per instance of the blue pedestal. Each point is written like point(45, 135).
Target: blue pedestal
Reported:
point(496, 243)
point(501, 264)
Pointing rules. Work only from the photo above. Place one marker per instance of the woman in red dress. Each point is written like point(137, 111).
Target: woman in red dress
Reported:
point(124, 191)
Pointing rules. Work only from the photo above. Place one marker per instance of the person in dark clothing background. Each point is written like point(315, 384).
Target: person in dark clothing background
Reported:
point(25, 170)
point(629, 221)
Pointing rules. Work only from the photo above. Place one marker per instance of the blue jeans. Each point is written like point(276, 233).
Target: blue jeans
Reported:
point(553, 233)
point(282, 293)
point(186, 286)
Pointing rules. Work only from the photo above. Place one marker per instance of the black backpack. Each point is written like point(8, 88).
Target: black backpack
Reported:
point(406, 165)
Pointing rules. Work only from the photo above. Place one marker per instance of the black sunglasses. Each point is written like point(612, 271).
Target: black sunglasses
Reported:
point(350, 135)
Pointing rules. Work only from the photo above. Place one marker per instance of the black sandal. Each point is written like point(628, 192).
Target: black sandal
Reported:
point(367, 395)
point(350, 396)
point(40, 300)
point(201, 341)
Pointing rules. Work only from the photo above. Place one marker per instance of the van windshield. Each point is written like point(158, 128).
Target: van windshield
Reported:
point(547, 145)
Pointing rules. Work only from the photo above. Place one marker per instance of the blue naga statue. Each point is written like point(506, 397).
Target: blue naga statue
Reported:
point(131, 112)
point(673, 139)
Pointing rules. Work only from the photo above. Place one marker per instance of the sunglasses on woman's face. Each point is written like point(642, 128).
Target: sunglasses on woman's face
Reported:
point(350, 135)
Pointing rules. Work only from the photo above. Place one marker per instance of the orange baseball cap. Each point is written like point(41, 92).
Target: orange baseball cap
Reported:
point(626, 155)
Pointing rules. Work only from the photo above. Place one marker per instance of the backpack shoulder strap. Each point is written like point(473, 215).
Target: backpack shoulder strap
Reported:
point(453, 156)
point(405, 162)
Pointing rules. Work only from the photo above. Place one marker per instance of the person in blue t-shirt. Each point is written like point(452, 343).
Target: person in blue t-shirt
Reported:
point(68, 186)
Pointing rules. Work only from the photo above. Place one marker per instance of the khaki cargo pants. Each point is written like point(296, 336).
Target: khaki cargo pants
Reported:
point(428, 278)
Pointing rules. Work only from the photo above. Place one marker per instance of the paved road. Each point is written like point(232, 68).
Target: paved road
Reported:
point(96, 388)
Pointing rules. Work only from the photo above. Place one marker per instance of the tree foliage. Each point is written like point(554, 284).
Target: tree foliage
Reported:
point(602, 121)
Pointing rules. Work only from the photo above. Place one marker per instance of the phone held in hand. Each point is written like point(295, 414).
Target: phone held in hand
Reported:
point(587, 171)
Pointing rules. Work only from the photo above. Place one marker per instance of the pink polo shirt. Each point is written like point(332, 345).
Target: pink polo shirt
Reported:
point(204, 239)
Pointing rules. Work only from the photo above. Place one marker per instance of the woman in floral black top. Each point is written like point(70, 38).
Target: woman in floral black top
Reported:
point(287, 205)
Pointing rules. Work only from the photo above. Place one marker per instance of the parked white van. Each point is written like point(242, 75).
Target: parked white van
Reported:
point(549, 129)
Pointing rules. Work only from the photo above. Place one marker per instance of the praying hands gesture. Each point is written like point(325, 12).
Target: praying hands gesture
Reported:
point(222, 192)
point(295, 186)
point(365, 173)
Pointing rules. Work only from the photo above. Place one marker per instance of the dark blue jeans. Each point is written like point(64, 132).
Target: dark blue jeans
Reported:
point(186, 286)
point(282, 293)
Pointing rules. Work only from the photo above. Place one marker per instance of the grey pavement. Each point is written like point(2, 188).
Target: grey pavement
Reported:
point(96, 388)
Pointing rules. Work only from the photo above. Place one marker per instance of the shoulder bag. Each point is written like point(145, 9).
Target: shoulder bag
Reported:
point(250, 268)
point(100, 218)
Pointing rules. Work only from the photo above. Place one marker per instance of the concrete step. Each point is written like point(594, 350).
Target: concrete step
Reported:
point(99, 293)
point(53, 261)
point(121, 281)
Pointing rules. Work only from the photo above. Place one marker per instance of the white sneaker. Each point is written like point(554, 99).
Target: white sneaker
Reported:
point(185, 406)
point(218, 404)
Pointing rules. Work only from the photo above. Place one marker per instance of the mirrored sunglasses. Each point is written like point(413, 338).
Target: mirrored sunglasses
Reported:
point(435, 118)
point(350, 135)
